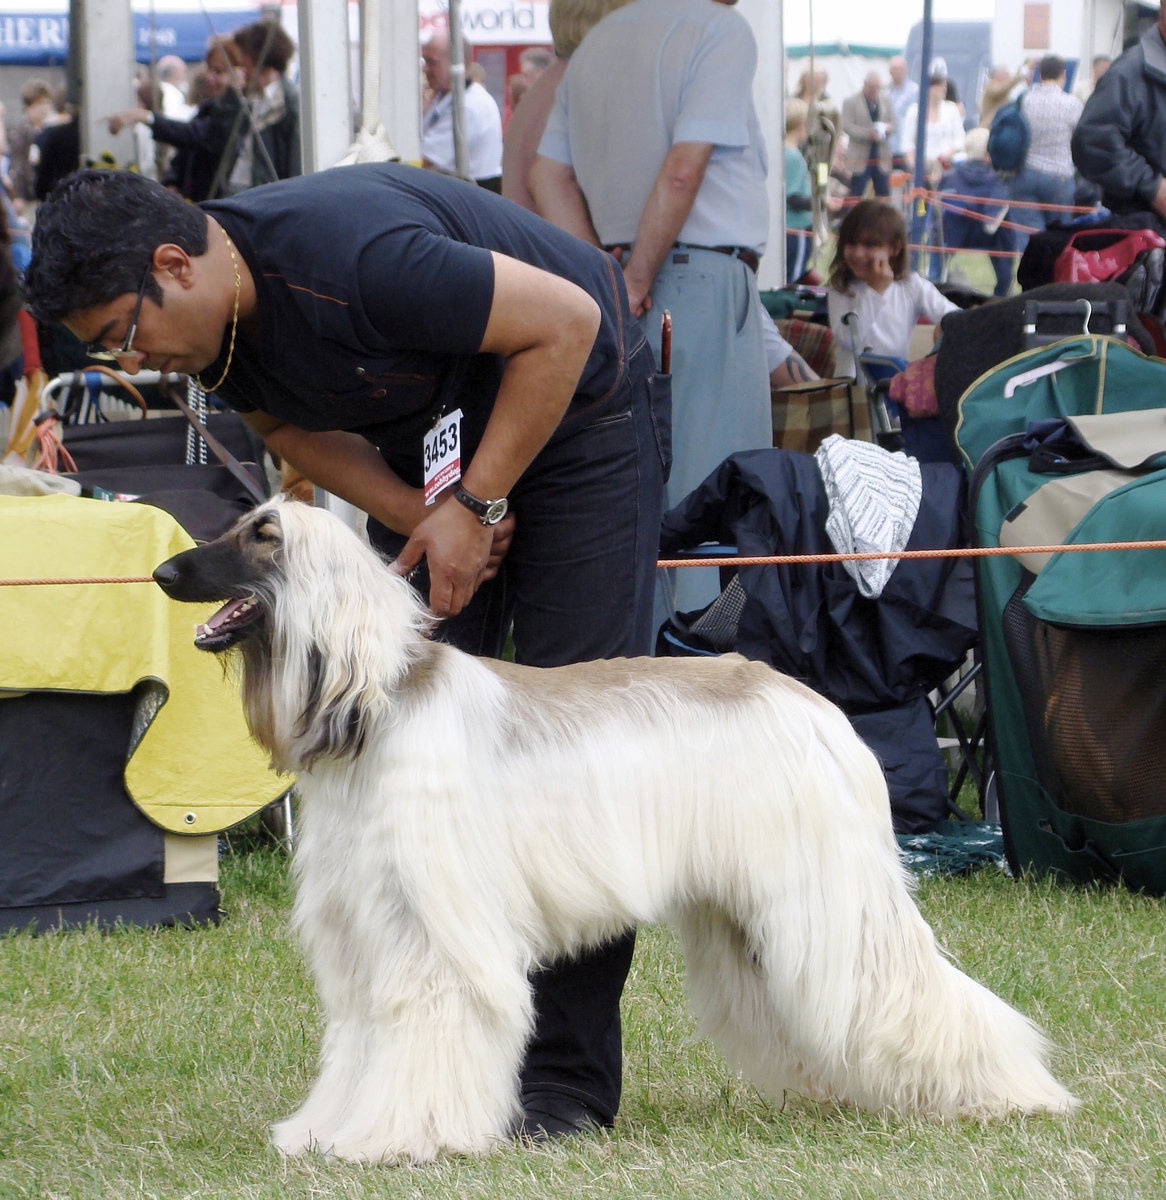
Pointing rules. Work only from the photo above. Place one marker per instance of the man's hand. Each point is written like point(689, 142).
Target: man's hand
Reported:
point(638, 288)
point(119, 120)
point(881, 275)
point(1159, 201)
point(503, 535)
point(459, 550)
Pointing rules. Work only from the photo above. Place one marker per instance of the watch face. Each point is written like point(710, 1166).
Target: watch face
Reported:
point(495, 511)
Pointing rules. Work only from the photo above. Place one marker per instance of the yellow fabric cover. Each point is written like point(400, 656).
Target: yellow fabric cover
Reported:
point(195, 769)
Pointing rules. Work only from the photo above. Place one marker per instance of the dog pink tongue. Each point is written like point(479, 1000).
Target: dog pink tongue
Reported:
point(224, 614)
point(217, 620)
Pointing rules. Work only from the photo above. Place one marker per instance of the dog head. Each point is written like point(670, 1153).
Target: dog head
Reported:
point(325, 631)
point(242, 568)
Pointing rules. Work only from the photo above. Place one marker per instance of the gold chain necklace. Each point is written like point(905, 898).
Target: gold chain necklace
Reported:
point(234, 320)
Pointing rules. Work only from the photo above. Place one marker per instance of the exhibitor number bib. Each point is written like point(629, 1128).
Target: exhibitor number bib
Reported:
point(443, 454)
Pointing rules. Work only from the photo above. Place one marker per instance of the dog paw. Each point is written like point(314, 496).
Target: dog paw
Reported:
point(372, 1152)
point(382, 1149)
point(293, 1137)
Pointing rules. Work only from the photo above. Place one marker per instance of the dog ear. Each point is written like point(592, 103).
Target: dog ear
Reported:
point(345, 630)
point(337, 713)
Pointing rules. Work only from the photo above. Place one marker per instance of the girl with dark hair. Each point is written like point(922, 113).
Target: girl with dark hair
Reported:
point(871, 283)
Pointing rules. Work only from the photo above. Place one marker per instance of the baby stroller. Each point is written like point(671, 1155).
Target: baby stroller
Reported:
point(894, 428)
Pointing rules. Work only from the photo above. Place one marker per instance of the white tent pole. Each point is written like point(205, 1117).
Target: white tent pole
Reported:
point(457, 85)
point(105, 58)
point(401, 76)
point(370, 63)
point(325, 91)
point(326, 126)
point(765, 17)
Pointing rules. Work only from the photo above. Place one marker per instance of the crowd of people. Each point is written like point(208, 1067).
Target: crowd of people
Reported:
point(875, 133)
point(231, 125)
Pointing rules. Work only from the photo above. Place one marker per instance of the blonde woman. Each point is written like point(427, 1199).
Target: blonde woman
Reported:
point(570, 20)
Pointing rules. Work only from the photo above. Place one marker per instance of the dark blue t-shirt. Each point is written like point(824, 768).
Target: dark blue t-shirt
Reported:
point(374, 288)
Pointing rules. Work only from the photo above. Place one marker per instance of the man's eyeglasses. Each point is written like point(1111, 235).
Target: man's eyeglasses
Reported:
point(99, 352)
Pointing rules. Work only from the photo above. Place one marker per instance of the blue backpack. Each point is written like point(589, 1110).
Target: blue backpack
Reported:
point(1009, 136)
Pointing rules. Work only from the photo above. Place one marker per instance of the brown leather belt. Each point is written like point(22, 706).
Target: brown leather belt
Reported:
point(749, 257)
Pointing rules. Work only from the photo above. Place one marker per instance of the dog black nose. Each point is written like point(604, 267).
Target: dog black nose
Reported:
point(166, 575)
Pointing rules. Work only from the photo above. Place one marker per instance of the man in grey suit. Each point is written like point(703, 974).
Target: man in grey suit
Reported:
point(867, 120)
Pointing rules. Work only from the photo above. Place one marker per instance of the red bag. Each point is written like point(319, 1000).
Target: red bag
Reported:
point(914, 388)
point(1109, 253)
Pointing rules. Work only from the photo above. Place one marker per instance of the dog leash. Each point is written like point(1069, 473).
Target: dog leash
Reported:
point(220, 451)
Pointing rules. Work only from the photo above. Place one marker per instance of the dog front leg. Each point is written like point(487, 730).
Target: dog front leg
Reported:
point(342, 1063)
point(441, 1066)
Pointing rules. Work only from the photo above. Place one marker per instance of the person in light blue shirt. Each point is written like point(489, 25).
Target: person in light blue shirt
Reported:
point(654, 151)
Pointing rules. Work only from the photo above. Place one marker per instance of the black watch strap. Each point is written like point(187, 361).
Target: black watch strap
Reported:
point(489, 512)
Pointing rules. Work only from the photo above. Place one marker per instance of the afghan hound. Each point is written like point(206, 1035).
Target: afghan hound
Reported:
point(465, 820)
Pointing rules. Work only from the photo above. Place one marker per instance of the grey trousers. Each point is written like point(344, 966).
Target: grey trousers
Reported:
point(720, 386)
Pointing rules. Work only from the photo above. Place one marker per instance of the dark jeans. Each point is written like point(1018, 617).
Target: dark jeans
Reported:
point(578, 585)
point(1043, 188)
point(797, 254)
point(876, 175)
point(933, 233)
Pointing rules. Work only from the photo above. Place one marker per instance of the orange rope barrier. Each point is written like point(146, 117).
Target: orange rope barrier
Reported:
point(983, 217)
point(753, 561)
point(1073, 208)
point(99, 579)
point(972, 552)
point(935, 249)
point(964, 250)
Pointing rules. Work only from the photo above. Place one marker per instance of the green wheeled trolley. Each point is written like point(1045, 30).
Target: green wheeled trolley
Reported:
point(1066, 444)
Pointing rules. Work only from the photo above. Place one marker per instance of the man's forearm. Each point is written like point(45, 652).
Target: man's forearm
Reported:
point(559, 198)
point(544, 326)
point(352, 468)
point(668, 206)
point(537, 386)
point(1159, 201)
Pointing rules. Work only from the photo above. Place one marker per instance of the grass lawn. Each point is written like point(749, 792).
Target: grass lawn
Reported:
point(148, 1064)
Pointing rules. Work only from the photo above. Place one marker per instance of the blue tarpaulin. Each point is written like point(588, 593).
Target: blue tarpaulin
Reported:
point(41, 39)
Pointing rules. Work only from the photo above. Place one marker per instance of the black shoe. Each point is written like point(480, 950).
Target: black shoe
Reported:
point(547, 1115)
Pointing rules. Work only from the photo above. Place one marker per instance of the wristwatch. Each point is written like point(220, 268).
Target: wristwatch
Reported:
point(489, 512)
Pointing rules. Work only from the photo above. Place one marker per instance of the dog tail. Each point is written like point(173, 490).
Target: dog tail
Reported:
point(872, 1011)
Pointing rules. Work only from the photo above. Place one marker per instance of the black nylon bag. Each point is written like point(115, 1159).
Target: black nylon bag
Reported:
point(205, 500)
point(136, 443)
point(147, 460)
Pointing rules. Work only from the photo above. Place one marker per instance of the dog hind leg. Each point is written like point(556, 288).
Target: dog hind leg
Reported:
point(871, 1011)
point(732, 1002)
point(827, 978)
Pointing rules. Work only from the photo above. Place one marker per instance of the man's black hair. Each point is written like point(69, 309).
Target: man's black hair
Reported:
point(95, 235)
point(1052, 66)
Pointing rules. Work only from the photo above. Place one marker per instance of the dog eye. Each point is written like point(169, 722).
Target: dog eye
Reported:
point(267, 532)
